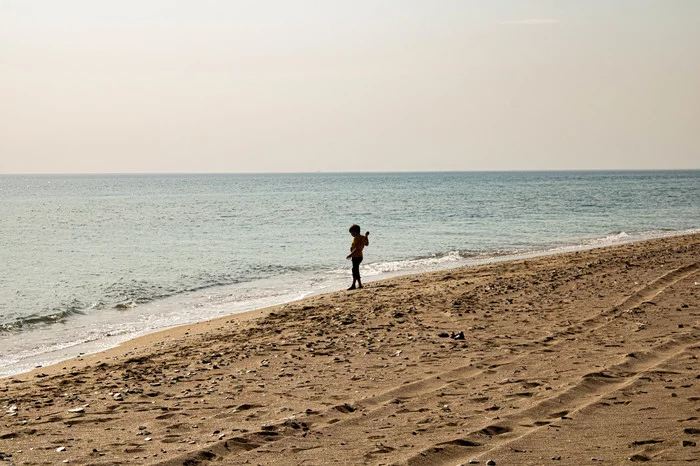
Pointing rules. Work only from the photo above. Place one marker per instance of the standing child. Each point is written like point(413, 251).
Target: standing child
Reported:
point(358, 244)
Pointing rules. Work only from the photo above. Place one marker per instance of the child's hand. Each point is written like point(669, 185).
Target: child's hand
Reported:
point(367, 234)
point(349, 256)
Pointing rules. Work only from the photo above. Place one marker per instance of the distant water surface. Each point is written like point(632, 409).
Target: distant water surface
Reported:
point(89, 261)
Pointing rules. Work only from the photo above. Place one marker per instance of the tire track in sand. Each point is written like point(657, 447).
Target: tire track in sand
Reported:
point(590, 389)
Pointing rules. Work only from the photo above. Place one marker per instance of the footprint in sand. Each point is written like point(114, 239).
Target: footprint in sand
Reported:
point(495, 430)
point(345, 408)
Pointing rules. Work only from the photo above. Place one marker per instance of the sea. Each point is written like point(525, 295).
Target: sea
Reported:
point(90, 261)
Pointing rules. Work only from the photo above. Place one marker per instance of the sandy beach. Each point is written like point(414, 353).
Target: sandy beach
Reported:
point(579, 358)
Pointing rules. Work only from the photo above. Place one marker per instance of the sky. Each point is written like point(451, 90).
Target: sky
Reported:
point(203, 86)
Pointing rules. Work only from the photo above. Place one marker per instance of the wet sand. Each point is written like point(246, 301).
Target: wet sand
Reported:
point(579, 358)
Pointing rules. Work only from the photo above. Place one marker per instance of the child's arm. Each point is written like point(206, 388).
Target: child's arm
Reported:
point(367, 239)
point(352, 249)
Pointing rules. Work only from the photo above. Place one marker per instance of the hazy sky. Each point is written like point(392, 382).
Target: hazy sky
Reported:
point(256, 86)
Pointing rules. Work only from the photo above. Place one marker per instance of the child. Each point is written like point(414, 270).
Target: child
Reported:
point(358, 244)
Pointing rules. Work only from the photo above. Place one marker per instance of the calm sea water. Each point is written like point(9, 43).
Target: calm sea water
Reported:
point(89, 261)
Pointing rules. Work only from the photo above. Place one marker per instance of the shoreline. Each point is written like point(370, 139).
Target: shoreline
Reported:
point(292, 378)
point(100, 345)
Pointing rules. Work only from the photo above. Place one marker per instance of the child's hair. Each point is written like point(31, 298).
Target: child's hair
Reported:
point(355, 229)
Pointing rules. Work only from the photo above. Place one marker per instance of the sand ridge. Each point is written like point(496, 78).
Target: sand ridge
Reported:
point(575, 358)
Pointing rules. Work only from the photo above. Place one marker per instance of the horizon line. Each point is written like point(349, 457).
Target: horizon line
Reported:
point(339, 172)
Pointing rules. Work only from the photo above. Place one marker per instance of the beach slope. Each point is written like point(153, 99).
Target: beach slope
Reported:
point(573, 358)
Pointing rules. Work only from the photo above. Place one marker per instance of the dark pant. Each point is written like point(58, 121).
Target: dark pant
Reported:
point(356, 268)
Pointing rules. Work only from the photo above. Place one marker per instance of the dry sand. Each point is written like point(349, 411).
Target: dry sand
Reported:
point(576, 358)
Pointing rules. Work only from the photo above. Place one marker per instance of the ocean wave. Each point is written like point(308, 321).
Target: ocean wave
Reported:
point(56, 316)
point(612, 238)
point(130, 293)
point(429, 262)
point(125, 295)
point(617, 237)
point(458, 258)
point(379, 268)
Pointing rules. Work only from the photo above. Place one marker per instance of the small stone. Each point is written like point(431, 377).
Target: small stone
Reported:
point(688, 443)
point(556, 458)
point(60, 449)
point(490, 463)
point(76, 410)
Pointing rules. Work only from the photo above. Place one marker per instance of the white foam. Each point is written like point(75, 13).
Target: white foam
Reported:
point(380, 268)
